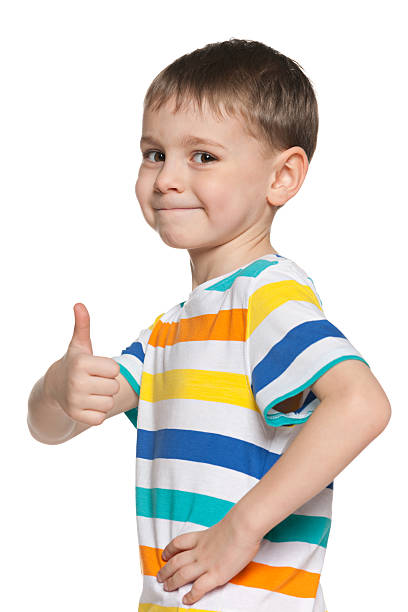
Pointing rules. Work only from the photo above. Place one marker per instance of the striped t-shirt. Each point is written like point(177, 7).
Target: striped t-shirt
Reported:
point(210, 374)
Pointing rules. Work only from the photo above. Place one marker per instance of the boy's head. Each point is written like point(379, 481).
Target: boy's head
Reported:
point(259, 111)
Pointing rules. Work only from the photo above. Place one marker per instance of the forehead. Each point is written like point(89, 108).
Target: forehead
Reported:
point(190, 121)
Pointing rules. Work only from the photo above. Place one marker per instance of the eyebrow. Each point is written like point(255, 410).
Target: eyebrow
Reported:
point(187, 140)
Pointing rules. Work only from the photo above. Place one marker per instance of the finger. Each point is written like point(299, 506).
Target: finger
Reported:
point(98, 403)
point(89, 417)
point(101, 366)
point(204, 584)
point(101, 403)
point(96, 385)
point(170, 568)
point(185, 574)
point(180, 542)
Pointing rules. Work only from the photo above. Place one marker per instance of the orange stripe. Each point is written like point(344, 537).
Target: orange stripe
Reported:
point(286, 580)
point(224, 325)
point(156, 319)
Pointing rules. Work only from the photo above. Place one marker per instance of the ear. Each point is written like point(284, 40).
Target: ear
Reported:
point(287, 176)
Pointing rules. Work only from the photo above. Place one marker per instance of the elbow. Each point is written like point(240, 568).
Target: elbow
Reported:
point(381, 408)
point(378, 412)
point(386, 414)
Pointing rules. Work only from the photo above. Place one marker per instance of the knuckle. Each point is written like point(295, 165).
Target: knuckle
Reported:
point(206, 582)
point(109, 403)
point(176, 565)
point(116, 368)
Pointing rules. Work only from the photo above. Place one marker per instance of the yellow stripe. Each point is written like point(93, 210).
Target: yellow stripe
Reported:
point(270, 296)
point(207, 385)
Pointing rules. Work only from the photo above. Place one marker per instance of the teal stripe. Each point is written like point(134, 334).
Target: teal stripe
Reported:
point(132, 416)
point(130, 378)
point(184, 506)
point(302, 528)
point(251, 270)
point(132, 413)
point(275, 420)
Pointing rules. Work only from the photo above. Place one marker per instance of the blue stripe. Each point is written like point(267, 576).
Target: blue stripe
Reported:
point(284, 352)
point(204, 447)
point(136, 349)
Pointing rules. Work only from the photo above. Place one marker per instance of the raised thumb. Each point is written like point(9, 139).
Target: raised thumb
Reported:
point(81, 338)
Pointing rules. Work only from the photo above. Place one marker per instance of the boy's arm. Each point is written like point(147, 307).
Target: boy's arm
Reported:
point(354, 410)
point(47, 421)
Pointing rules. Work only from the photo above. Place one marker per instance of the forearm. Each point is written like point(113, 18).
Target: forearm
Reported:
point(333, 436)
point(46, 420)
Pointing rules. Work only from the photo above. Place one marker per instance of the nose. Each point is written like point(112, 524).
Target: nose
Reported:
point(169, 177)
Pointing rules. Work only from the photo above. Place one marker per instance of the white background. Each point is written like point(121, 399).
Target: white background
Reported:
point(73, 77)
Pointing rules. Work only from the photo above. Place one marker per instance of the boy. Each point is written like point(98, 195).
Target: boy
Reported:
point(246, 371)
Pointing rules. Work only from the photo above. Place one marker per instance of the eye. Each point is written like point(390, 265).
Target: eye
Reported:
point(147, 153)
point(206, 154)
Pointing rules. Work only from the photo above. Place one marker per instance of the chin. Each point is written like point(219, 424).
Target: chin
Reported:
point(181, 242)
point(174, 241)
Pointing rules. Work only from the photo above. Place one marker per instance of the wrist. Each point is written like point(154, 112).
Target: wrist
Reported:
point(244, 520)
point(52, 384)
point(46, 419)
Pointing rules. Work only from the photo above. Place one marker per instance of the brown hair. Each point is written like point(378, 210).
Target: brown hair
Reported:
point(270, 91)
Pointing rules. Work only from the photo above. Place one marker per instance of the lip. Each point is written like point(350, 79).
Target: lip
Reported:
point(168, 209)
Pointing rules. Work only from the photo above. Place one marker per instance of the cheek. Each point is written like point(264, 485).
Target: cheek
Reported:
point(228, 207)
point(217, 196)
point(143, 191)
point(141, 187)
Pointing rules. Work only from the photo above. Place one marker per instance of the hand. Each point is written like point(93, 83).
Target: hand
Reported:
point(83, 384)
point(211, 557)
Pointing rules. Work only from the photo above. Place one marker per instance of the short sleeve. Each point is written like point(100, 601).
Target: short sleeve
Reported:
point(289, 343)
point(131, 362)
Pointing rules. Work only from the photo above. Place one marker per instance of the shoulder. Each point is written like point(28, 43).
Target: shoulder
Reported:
point(281, 282)
point(282, 268)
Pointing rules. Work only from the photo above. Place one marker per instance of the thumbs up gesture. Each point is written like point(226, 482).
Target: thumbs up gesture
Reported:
point(86, 383)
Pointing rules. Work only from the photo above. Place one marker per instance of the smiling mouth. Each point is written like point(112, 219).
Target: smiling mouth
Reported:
point(168, 209)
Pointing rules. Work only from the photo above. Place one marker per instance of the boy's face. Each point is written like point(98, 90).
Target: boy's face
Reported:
point(199, 195)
